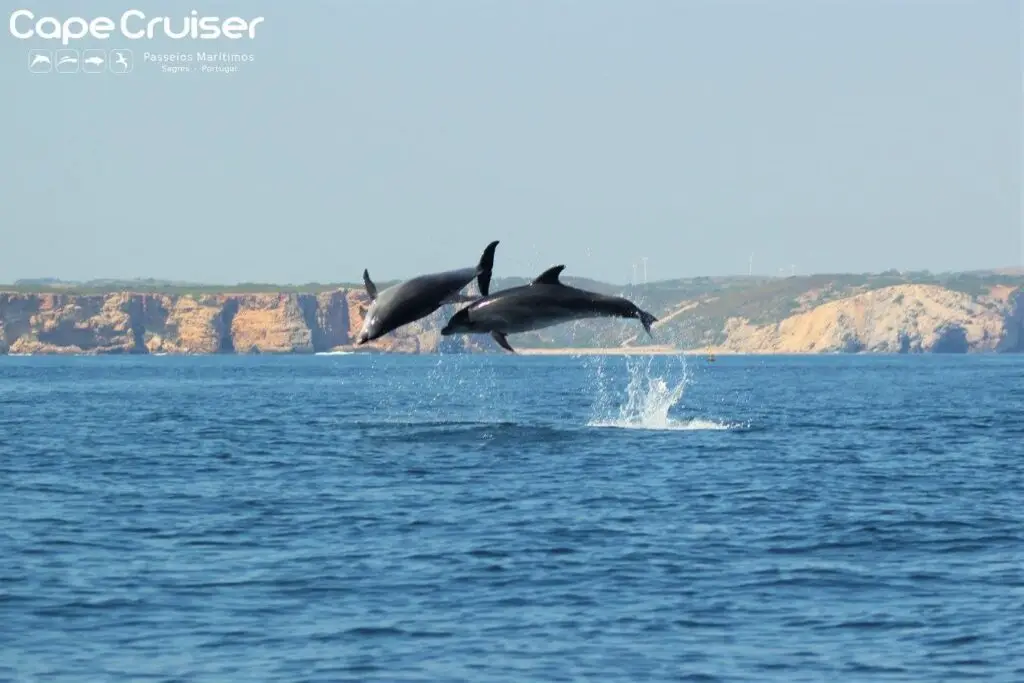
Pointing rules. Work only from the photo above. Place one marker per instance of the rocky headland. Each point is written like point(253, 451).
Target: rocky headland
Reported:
point(817, 314)
point(899, 319)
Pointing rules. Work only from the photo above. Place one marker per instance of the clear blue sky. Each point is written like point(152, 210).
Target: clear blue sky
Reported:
point(404, 136)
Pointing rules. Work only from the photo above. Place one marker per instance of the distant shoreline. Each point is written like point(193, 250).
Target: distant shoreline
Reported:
point(704, 318)
point(565, 351)
point(609, 351)
point(664, 350)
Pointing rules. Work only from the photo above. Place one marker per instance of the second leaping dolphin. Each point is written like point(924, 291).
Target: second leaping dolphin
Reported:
point(420, 296)
point(546, 301)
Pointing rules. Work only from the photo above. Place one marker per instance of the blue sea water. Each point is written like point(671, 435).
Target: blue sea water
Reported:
point(498, 518)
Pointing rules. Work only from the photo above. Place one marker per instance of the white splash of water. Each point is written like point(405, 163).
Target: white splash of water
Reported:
point(650, 394)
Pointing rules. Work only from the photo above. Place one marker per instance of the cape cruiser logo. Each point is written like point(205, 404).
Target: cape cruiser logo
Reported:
point(133, 25)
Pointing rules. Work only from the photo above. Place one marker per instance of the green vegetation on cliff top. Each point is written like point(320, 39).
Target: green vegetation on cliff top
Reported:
point(971, 282)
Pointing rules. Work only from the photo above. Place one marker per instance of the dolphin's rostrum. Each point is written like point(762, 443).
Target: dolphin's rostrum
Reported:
point(546, 301)
point(420, 296)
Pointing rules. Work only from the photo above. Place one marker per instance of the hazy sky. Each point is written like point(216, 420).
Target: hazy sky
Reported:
point(404, 136)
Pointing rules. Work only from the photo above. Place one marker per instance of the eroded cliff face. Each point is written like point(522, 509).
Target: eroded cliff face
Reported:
point(157, 323)
point(899, 319)
point(59, 323)
point(1013, 335)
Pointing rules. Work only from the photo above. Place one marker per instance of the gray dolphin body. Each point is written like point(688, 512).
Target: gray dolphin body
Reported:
point(546, 301)
point(420, 296)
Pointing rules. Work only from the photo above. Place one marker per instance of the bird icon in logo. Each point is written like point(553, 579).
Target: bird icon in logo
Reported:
point(121, 62)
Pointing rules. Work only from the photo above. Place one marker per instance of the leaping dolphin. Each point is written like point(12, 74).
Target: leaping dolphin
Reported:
point(546, 301)
point(420, 296)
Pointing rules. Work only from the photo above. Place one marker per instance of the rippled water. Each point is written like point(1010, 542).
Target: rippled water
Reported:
point(471, 518)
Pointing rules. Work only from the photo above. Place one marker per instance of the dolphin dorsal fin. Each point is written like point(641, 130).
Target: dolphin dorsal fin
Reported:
point(371, 288)
point(549, 276)
point(484, 269)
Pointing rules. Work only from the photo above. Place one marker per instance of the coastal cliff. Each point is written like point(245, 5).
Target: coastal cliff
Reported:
point(899, 319)
point(814, 314)
point(50, 323)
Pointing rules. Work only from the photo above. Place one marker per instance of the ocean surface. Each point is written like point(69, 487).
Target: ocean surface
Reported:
point(498, 518)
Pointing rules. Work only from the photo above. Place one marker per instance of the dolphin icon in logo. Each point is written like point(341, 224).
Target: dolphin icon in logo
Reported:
point(40, 59)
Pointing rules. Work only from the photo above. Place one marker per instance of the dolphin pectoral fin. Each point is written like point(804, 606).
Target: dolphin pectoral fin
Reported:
point(502, 341)
point(485, 267)
point(371, 288)
point(549, 276)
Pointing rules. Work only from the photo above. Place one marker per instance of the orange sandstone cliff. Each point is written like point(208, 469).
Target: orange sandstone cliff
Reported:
point(910, 318)
point(186, 324)
point(901, 319)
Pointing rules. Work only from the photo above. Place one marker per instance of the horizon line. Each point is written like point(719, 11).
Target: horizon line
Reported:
point(56, 282)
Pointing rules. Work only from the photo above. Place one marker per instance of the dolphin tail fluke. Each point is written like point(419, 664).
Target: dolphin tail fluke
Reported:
point(502, 341)
point(484, 268)
point(646, 319)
